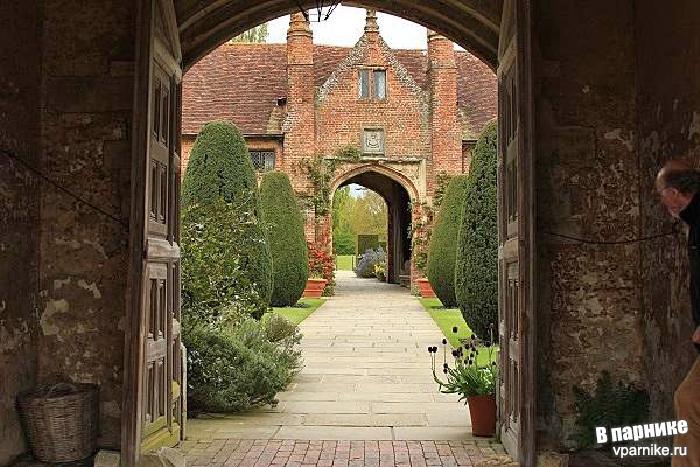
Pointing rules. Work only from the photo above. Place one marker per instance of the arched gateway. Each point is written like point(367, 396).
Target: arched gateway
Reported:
point(397, 121)
point(85, 85)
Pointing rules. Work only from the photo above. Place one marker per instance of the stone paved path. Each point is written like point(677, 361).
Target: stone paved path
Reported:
point(367, 377)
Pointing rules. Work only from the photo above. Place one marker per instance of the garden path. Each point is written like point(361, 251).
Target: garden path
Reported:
point(367, 377)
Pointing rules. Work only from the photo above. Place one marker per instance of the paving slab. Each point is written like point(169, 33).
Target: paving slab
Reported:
point(367, 378)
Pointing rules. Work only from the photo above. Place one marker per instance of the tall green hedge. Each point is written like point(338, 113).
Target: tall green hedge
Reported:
point(285, 232)
point(442, 248)
point(225, 255)
point(476, 269)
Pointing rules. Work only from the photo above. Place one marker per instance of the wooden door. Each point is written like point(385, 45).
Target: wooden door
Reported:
point(161, 403)
point(516, 237)
point(154, 408)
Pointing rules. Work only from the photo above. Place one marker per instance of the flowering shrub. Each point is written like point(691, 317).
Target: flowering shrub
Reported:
point(367, 261)
point(321, 264)
point(225, 262)
point(237, 368)
point(467, 378)
point(380, 271)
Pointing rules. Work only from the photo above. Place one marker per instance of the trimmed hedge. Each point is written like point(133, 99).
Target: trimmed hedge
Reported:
point(366, 243)
point(285, 232)
point(225, 254)
point(476, 270)
point(219, 167)
point(442, 248)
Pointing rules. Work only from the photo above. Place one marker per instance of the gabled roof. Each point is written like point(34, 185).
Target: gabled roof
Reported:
point(243, 82)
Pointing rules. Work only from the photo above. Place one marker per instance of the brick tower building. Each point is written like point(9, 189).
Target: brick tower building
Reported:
point(408, 118)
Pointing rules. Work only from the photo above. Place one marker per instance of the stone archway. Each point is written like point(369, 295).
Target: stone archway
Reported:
point(402, 200)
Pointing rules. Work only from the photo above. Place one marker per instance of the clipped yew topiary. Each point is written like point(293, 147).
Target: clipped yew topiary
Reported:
point(476, 268)
point(442, 248)
point(220, 167)
point(226, 260)
point(285, 232)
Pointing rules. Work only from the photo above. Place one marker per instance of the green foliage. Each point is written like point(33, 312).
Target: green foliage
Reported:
point(225, 262)
point(320, 172)
point(302, 310)
point(608, 406)
point(285, 233)
point(220, 167)
point(256, 34)
point(366, 243)
point(343, 233)
point(344, 242)
point(442, 249)
point(467, 378)
point(442, 181)
point(476, 265)
point(225, 255)
point(420, 234)
point(237, 369)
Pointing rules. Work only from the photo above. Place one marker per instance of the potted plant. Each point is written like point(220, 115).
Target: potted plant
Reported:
point(426, 291)
point(314, 286)
point(475, 384)
point(316, 282)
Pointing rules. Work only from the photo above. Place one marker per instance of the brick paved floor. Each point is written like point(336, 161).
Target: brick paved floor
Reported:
point(294, 453)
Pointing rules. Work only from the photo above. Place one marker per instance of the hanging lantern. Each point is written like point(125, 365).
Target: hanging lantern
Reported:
point(324, 9)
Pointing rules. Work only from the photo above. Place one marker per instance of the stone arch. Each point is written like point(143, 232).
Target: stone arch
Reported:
point(387, 172)
point(204, 25)
point(401, 197)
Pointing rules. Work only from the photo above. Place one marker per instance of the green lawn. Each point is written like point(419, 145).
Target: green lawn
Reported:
point(345, 263)
point(295, 314)
point(447, 319)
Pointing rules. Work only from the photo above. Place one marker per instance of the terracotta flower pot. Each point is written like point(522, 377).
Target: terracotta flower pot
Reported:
point(426, 291)
point(314, 288)
point(482, 410)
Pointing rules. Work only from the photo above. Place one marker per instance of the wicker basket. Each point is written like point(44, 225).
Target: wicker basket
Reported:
point(62, 421)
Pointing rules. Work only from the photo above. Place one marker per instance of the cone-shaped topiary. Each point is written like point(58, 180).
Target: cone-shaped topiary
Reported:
point(285, 232)
point(219, 167)
point(476, 268)
point(443, 242)
point(231, 264)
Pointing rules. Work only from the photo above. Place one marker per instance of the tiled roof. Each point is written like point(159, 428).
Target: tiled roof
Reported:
point(239, 83)
point(242, 83)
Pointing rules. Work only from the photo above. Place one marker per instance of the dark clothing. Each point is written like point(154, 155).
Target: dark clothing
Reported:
point(691, 216)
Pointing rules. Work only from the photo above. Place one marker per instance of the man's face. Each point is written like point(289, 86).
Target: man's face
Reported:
point(672, 199)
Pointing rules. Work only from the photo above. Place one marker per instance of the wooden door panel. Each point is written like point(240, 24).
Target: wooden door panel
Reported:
point(515, 215)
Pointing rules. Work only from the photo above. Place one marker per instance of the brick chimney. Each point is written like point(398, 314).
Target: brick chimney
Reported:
point(300, 124)
point(446, 144)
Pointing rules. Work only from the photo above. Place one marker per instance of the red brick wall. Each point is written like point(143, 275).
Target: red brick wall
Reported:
point(342, 115)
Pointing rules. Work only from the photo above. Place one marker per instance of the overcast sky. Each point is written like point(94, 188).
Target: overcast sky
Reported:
point(346, 25)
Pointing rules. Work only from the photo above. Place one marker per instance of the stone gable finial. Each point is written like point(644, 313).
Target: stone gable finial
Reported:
point(371, 24)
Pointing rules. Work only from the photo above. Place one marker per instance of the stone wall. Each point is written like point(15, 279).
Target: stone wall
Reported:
point(590, 304)
point(668, 119)
point(86, 89)
point(19, 214)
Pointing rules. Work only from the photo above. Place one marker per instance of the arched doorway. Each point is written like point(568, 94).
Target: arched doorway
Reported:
point(400, 196)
